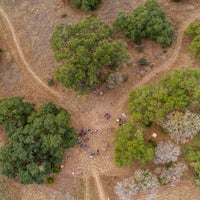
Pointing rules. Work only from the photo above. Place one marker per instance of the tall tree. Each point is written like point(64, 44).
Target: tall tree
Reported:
point(38, 144)
point(146, 21)
point(130, 146)
point(87, 51)
point(175, 91)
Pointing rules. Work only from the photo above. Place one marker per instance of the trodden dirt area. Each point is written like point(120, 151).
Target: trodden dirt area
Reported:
point(27, 62)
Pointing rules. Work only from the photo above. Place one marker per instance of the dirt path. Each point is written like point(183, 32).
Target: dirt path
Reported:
point(87, 191)
point(120, 106)
point(99, 185)
point(21, 54)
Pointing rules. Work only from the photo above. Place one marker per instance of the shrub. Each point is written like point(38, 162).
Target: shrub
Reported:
point(194, 30)
point(36, 139)
point(85, 5)
point(142, 61)
point(1, 52)
point(50, 180)
point(130, 145)
point(146, 21)
point(56, 169)
point(114, 80)
point(166, 152)
point(172, 175)
point(88, 52)
point(191, 153)
point(142, 180)
point(50, 82)
point(182, 126)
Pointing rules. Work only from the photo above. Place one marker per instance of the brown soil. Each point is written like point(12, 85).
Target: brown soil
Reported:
point(25, 29)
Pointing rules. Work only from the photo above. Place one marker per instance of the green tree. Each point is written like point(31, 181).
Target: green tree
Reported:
point(194, 30)
point(87, 52)
point(130, 145)
point(175, 91)
point(146, 21)
point(35, 147)
point(142, 104)
point(85, 5)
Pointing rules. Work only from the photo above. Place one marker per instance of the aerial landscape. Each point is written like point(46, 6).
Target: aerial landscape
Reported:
point(100, 100)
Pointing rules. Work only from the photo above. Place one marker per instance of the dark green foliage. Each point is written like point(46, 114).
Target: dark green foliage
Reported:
point(56, 169)
point(194, 30)
point(176, 1)
point(85, 5)
point(191, 153)
point(153, 143)
point(175, 91)
point(1, 52)
point(88, 52)
point(37, 144)
point(146, 21)
point(169, 164)
point(142, 61)
point(14, 113)
point(50, 180)
point(50, 82)
point(131, 147)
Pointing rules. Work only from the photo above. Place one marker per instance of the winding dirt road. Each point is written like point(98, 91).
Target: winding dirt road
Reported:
point(158, 71)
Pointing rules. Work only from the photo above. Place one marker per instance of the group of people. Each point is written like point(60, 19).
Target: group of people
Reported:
point(83, 135)
point(120, 120)
point(83, 141)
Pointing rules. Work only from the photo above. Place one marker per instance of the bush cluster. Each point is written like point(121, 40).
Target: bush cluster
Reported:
point(175, 91)
point(166, 152)
point(142, 180)
point(172, 175)
point(146, 21)
point(182, 126)
point(36, 139)
point(145, 181)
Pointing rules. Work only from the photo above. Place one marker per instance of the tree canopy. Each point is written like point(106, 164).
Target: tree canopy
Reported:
point(176, 90)
point(194, 30)
point(85, 5)
point(146, 21)
point(88, 52)
point(130, 145)
point(36, 139)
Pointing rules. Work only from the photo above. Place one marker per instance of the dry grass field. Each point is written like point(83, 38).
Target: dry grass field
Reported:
point(27, 63)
